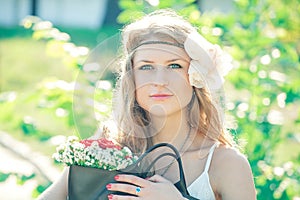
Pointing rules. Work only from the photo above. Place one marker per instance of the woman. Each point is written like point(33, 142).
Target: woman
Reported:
point(170, 90)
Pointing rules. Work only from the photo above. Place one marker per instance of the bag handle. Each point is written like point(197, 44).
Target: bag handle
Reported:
point(176, 156)
point(159, 157)
point(182, 183)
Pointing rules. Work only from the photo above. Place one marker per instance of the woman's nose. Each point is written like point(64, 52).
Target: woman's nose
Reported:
point(161, 77)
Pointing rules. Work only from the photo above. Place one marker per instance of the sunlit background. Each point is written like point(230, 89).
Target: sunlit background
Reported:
point(43, 48)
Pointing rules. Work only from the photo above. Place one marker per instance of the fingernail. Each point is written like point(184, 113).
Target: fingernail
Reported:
point(110, 196)
point(108, 186)
point(117, 177)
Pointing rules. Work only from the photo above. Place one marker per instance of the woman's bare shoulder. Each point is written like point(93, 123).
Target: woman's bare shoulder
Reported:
point(234, 176)
point(233, 162)
point(229, 156)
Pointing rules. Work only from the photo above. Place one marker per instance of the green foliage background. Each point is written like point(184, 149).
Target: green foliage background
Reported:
point(262, 89)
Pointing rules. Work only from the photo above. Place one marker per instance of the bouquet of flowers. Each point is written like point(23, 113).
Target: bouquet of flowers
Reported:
point(101, 153)
point(95, 163)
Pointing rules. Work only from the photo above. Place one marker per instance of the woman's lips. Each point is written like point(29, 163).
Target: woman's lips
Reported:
point(160, 97)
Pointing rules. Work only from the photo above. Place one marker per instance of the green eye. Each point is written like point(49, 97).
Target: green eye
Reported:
point(146, 67)
point(174, 66)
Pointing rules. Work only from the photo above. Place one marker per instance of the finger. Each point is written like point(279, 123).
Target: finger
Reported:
point(121, 197)
point(127, 188)
point(132, 179)
point(158, 179)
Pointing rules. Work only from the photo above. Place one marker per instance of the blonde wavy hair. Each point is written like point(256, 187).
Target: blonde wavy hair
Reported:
point(132, 120)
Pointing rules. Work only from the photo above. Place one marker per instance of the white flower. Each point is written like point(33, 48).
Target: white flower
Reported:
point(72, 139)
point(208, 62)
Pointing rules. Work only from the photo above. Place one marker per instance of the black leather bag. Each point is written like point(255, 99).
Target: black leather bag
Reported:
point(90, 183)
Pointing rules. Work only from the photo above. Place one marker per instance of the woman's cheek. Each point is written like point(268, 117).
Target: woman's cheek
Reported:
point(141, 97)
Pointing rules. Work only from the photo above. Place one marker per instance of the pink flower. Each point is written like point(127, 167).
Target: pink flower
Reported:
point(87, 143)
point(102, 142)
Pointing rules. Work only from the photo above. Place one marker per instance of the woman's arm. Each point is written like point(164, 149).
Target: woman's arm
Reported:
point(58, 190)
point(235, 179)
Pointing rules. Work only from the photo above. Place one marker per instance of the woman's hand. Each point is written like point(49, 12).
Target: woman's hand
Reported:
point(155, 187)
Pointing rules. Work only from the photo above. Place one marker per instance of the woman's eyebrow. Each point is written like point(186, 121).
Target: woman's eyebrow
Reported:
point(146, 61)
point(177, 59)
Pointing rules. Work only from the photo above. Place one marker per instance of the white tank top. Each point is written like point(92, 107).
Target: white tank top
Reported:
point(201, 188)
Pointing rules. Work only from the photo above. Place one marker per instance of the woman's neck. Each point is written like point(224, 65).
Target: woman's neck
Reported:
point(173, 129)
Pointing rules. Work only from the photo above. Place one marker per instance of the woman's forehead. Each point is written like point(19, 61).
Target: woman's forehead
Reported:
point(161, 50)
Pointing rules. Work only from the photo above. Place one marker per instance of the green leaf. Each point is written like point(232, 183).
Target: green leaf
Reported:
point(129, 15)
point(4, 176)
point(127, 4)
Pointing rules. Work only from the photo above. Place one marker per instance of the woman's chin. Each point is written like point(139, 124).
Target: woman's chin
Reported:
point(163, 111)
point(158, 111)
